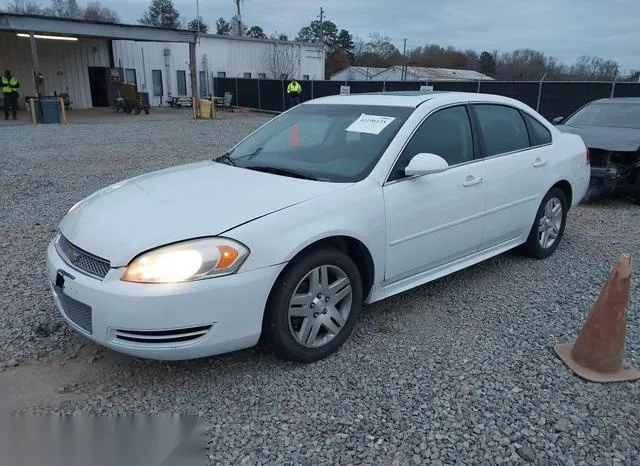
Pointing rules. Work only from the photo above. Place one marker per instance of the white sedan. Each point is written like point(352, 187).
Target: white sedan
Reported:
point(337, 202)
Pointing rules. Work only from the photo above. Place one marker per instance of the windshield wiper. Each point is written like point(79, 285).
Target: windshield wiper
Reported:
point(226, 158)
point(283, 172)
point(251, 155)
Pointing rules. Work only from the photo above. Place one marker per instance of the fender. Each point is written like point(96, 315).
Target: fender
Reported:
point(356, 212)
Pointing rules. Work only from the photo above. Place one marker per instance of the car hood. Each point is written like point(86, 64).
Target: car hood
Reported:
point(194, 200)
point(607, 138)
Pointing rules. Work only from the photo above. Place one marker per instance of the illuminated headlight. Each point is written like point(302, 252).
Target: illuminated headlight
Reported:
point(187, 261)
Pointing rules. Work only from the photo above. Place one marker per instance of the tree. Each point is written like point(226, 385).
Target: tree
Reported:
point(282, 61)
point(521, 64)
point(161, 13)
point(96, 12)
point(487, 64)
point(194, 23)
point(595, 68)
point(344, 41)
point(64, 9)
point(223, 28)
point(381, 47)
point(256, 32)
point(235, 24)
point(25, 7)
point(278, 36)
point(316, 33)
point(335, 62)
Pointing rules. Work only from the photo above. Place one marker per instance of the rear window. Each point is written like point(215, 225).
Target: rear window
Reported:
point(625, 115)
point(538, 134)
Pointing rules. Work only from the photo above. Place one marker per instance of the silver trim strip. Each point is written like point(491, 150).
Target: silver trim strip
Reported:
point(66, 260)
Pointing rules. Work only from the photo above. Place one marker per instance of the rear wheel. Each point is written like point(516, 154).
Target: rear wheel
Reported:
point(548, 226)
point(314, 306)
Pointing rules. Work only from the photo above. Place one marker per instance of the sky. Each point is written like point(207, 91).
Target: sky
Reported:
point(565, 29)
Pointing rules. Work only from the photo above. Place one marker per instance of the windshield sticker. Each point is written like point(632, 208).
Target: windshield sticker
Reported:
point(371, 124)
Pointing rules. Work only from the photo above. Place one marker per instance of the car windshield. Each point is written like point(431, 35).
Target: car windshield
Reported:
point(625, 115)
point(327, 142)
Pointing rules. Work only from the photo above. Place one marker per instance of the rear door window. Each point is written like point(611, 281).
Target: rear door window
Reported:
point(503, 129)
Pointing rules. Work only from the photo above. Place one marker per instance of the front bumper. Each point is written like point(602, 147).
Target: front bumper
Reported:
point(163, 321)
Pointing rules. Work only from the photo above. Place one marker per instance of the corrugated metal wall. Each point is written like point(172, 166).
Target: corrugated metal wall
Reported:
point(235, 57)
point(147, 56)
point(214, 55)
point(65, 65)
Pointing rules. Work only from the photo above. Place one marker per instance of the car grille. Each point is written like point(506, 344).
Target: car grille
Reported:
point(182, 335)
point(77, 312)
point(82, 260)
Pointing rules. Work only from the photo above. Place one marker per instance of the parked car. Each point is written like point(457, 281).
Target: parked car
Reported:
point(338, 202)
point(611, 130)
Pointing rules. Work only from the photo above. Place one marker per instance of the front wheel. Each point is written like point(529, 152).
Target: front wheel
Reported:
point(548, 226)
point(313, 306)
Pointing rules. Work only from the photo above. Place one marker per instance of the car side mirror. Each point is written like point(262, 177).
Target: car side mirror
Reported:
point(426, 164)
point(557, 120)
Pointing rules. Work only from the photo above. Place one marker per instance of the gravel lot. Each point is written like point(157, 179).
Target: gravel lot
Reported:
point(461, 371)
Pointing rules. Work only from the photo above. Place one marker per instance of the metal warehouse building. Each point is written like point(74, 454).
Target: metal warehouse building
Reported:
point(419, 73)
point(84, 59)
point(163, 69)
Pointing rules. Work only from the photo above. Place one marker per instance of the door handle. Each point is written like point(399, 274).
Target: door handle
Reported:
point(471, 181)
point(539, 163)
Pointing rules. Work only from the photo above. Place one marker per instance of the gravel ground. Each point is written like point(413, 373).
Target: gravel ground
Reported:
point(460, 371)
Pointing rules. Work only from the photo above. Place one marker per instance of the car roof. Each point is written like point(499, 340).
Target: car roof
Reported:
point(407, 98)
point(618, 100)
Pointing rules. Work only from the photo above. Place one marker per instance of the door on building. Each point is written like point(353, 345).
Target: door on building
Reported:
point(182, 82)
point(99, 86)
point(158, 89)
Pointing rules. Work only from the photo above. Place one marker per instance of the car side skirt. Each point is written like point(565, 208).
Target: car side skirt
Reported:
point(386, 290)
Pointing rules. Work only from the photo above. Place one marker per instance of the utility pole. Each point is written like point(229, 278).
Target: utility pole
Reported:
point(404, 54)
point(322, 25)
point(239, 17)
point(198, 15)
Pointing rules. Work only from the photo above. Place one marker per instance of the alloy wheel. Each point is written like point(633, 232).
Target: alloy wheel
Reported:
point(320, 306)
point(550, 223)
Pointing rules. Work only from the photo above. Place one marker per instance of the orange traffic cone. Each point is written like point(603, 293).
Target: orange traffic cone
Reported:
point(294, 140)
point(598, 353)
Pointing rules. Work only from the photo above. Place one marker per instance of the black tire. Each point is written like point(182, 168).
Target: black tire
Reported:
point(277, 333)
point(532, 247)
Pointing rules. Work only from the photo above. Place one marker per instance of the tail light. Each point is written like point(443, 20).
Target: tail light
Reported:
point(588, 156)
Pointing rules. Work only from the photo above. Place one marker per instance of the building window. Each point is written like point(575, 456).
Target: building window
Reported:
point(305, 77)
point(247, 75)
point(222, 74)
point(130, 76)
point(204, 89)
point(158, 90)
point(262, 75)
point(182, 82)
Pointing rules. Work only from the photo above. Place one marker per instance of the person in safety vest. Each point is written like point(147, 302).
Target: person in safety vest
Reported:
point(294, 89)
point(10, 87)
